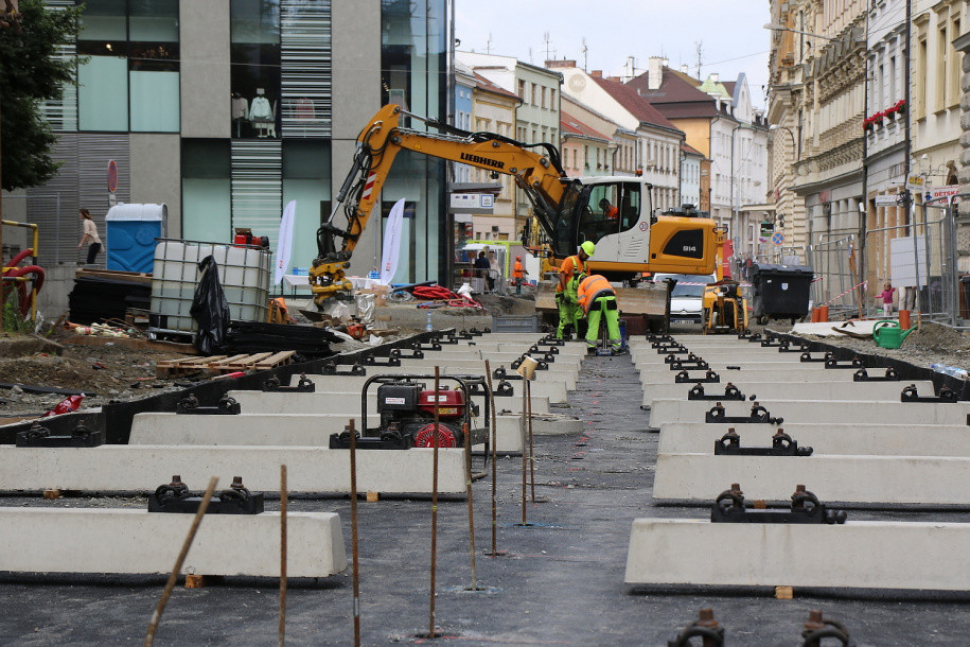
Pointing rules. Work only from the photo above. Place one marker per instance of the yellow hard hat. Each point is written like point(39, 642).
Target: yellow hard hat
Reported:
point(588, 247)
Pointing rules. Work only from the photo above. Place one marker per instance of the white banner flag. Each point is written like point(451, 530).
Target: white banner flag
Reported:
point(392, 242)
point(284, 243)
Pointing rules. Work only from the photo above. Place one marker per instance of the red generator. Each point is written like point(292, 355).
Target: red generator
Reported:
point(406, 408)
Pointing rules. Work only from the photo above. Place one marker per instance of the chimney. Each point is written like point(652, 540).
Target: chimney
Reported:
point(655, 73)
point(551, 65)
point(715, 77)
point(685, 69)
point(596, 74)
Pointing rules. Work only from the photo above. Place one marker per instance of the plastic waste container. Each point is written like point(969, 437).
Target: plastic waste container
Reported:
point(780, 291)
point(131, 232)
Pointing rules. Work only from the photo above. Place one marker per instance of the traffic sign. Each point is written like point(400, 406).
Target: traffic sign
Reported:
point(778, 238)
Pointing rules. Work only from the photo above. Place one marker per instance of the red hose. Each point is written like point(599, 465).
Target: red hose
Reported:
point(19, 257)
point(23, 295)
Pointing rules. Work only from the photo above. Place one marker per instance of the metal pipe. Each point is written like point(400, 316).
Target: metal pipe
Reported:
point(491, 402)
point(170, 584)
point(532, 457)
point(434, 504)
point(354, 544)
point(525, 453)
point(466, 431)
point(283, 508)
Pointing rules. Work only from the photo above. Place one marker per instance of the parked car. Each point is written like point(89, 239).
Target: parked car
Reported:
point(687, 296)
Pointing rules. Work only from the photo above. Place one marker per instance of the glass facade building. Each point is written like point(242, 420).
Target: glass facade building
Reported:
point(225, 110)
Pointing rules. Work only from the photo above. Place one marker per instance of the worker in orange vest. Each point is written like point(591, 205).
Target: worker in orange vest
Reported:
point(597, 297)
point(566, 299)
point(518, 274)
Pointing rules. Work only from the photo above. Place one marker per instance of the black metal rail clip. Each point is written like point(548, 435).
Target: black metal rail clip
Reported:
point(305, 385)
point(781, 445)
point(411, 353)
point(855, 362)
point(807, 357)
point(731, 392)
point(372, 360)
point(694, 365)
point(817, 629)
point(705, 627)
point(909, 395)
point(758, 415)
point(226, 406)
point(892, 375)
point(331, 369)
point(176, 497)
point(789, 346)
point(729, 507)
point(40, 436)
point(710, 377)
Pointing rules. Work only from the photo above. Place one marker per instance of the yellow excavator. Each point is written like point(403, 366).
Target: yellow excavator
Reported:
point(724, 306)
point(613, 212)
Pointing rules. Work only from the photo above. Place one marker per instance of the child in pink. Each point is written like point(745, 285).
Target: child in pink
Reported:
point(887, 298)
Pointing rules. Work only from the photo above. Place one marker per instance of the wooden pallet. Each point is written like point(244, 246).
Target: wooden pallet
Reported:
point(219, 364)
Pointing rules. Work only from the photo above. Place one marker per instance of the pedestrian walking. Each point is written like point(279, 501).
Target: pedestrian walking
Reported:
point(90, 236)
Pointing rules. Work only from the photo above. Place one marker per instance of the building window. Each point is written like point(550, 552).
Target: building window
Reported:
point(255, 68)
point(132, 66)
point(532, 97)
point(956, 67)
point(522, 89)
point(942, 64)
point(206, 190)
point(921, 69)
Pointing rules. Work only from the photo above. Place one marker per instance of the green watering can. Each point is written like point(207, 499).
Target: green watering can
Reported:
point(888, 334)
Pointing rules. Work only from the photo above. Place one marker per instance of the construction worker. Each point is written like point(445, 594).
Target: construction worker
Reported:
point(597, 297)
point(566, 298)
point(518, 274)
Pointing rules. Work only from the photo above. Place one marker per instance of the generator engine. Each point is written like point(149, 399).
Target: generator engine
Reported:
point(407, 413)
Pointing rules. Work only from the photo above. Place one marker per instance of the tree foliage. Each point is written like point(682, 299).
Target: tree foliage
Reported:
point(30, 73)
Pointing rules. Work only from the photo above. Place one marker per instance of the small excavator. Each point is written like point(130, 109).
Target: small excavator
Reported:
point(630, 238)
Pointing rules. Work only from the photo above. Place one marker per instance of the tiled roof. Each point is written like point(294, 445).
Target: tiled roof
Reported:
point(488, 86)
point(572, 126)
point(690, 150)
point(636, 105)
point(675, 88)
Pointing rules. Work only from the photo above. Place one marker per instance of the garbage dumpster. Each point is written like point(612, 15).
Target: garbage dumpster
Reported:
point(780, 291)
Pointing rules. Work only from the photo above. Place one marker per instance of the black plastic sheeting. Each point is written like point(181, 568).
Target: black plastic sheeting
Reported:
point(210, 309)
point(256, 337)
point(115, 419)
point(95, 298)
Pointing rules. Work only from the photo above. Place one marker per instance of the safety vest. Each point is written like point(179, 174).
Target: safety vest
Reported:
point(592, 288)
point(569, 266)
point(517, 271)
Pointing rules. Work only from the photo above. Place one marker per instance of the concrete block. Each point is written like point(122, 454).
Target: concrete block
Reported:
point(858, 554)
point(882, 391)
point(312, 470)
point(839, 439)
point(96, 540)
point(555, 391)
point(820, 411)
point(561, 374)
point(277, 430)
point(697, 479)
point(802, 373)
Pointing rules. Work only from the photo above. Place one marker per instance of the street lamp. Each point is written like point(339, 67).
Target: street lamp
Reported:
point(774, 26)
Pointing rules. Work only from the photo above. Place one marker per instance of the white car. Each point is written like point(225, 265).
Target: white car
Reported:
point(687, 297)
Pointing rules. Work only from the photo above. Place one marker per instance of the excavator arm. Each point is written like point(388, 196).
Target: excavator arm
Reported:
point(539, 175)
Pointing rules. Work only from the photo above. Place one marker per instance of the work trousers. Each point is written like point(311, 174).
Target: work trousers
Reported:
point(605, 306)
point(569, 314)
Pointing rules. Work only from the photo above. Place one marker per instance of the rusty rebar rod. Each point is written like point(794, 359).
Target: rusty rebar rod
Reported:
point(170, 584)
point(283, 508)
point(525, 453)
point(434, 502)
point(466, 430)
point(532, 456)
point(494, 439)
point(353, 530)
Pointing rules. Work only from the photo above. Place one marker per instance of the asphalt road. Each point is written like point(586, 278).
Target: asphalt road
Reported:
point(559, 583)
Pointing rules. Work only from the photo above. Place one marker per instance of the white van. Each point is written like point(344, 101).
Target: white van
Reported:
point(687, 297)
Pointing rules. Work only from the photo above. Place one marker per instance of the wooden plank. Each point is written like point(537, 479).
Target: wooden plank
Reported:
point(248, 361)
point(276, 359)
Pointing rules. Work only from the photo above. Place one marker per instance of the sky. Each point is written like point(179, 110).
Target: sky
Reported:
point(730, 34)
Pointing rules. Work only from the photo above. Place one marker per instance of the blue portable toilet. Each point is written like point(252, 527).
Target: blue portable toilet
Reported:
point(131, 233)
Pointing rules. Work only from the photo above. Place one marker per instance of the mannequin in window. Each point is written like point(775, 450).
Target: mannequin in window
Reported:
point(239, 109)
point(260, 112)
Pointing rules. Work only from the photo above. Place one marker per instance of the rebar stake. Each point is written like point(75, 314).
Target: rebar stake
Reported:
point(353, 529)
point(491, 406)
point(283, 508)
point(170, 584)
point(466, 432)
point(434, 502)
